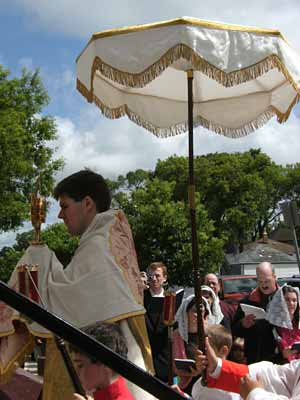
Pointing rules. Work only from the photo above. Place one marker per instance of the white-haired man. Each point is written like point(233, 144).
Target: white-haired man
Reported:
point(258, 337)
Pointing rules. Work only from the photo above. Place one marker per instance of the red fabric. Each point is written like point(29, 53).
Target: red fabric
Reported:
point(230, 376)
point(288, 338)
point(117, 390)
point(178, 346)
point(178, 349)
point(256, 295)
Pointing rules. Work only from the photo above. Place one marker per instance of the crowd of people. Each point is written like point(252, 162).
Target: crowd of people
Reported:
point(268, 344)
point(257, 344)
point(270, 339)
point(102, 287)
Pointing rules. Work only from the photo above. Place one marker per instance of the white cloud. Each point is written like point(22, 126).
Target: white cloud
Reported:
point(68, 77)
point(280, 142)
point(60, 82)
point(110, 147)
point(6, 239)
point(114, 147)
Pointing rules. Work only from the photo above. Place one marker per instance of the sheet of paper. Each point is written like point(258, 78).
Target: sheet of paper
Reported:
point(257, 311)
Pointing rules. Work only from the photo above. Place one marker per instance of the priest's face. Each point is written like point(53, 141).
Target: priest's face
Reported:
point(74, 214)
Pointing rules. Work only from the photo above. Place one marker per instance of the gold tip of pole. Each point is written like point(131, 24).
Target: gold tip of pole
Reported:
point(190, 73)
point(38, 213)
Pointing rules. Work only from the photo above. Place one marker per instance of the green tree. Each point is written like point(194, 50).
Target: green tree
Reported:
point(240, 191)
point(25, 144)
point(55, 236)
point(161, 231)
point(58, 239)
point(9, 257)
point(292, 183)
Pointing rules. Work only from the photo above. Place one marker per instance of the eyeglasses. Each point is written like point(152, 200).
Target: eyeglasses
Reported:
point(265, 281)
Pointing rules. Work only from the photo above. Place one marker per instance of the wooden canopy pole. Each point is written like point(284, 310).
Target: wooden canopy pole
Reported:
point(191, 193)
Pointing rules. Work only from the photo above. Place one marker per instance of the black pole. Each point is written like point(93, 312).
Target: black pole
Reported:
point(60, 343)
point(292, 219)
point(195, 250)
point(296, 246)
point(170, 355)
point(87, 344)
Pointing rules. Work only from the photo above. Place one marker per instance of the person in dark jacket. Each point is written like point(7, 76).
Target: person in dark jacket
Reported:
point(157, 331)
point(258, 337)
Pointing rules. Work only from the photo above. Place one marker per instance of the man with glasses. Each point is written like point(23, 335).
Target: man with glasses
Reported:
point(258, 337)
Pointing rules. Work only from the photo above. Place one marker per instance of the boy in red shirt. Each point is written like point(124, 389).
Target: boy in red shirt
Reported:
point(97, 379)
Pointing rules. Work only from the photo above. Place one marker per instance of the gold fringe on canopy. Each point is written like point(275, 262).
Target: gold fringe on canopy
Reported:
point(174, 130)
point(172, 55)
point(27, 323)
point(282, 117)
point(84, 91)
point(181, 51)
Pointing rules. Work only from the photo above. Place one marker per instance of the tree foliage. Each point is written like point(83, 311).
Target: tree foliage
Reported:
point(240, 191)
point(9, 257)
point(55, 236)
point(25, 144)
point(161, 230)
point(237, 197)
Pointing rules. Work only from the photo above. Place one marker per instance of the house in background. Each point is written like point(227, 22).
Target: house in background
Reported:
point(283, 234)
point(281, 255)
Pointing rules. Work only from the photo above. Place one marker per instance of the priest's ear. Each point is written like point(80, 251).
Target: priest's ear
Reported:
point(89, 204)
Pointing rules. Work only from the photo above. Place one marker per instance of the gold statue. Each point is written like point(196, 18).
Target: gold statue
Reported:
point(38, 213)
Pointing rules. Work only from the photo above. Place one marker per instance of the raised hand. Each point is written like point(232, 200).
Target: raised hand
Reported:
point(209, 360)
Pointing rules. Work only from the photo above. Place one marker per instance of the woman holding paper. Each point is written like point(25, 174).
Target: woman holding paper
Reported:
point(284, 314)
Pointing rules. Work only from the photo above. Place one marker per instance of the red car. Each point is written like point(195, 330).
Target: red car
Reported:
point(235, 287)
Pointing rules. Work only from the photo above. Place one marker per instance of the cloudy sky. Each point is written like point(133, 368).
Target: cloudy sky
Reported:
point(50, 34)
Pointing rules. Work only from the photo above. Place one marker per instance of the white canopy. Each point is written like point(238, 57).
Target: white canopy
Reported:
point(242, 76)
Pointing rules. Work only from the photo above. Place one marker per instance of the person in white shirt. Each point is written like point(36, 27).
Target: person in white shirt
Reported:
point(259, 381)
